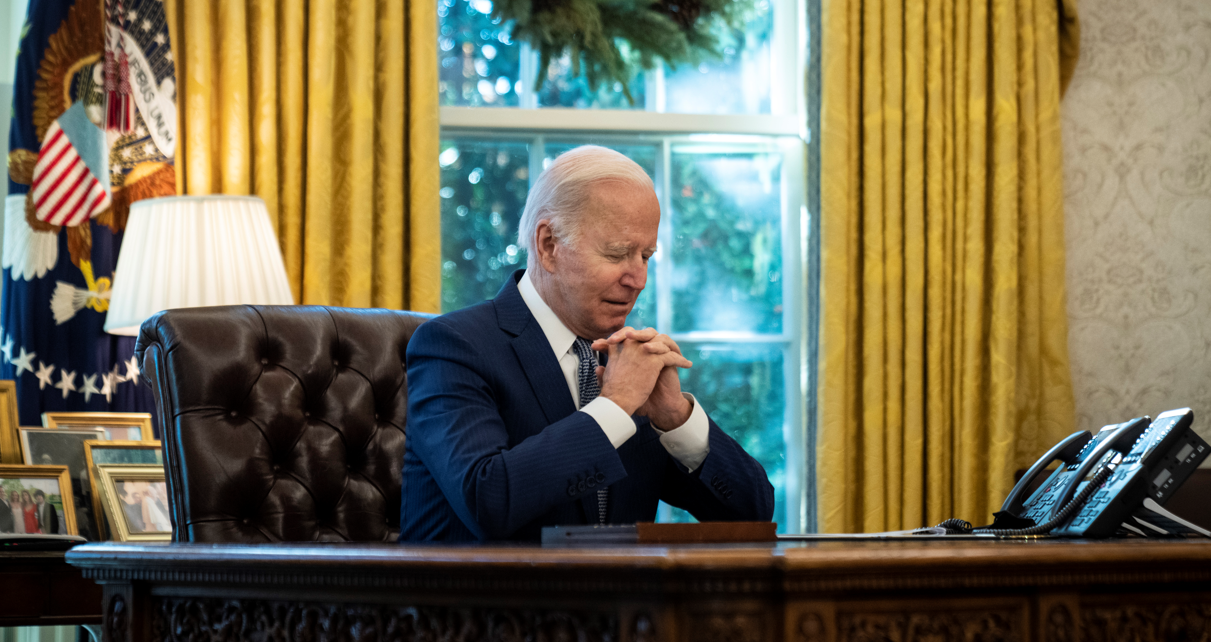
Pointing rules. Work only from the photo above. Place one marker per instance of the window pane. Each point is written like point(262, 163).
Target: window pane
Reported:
point(727, 239)
point(742, 388)
point(643, 315)
point(479, 65)
point(562, 89)
point(484, 186)
point(736, 83)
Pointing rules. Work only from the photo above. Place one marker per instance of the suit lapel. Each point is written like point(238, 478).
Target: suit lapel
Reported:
point(542, 370)
point(533, 352)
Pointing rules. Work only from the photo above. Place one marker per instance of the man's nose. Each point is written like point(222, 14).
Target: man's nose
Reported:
point(635, 274)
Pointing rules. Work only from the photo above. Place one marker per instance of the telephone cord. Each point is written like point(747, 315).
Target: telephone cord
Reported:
point(964, 527)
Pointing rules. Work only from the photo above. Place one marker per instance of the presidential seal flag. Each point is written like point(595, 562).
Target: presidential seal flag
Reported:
point(93, 130)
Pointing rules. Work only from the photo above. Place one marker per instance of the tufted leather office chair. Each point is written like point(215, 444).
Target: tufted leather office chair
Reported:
point(280, 423)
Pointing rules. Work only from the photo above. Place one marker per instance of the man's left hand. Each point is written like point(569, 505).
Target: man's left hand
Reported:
point(666, 407)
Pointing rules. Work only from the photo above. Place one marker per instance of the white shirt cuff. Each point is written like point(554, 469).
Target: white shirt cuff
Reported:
point(614, 421)
point(690, 442)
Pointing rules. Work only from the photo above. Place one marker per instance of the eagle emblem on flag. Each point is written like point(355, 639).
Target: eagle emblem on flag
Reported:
point(94, 125)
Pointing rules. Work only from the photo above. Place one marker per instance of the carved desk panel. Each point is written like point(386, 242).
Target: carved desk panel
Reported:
point(823, 591)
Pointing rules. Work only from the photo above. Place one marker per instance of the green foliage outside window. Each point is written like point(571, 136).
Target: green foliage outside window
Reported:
point(484, 187)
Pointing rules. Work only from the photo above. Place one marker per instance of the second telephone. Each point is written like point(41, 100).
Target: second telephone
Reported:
point(1103, 480)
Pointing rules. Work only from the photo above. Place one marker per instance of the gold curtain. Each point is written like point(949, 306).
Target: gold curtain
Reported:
point(328, 111)
point(943, 355)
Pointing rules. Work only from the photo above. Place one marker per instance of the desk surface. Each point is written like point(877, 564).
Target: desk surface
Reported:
point(807, 565)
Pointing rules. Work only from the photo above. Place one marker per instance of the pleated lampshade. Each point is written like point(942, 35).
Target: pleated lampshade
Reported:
point(194, 251)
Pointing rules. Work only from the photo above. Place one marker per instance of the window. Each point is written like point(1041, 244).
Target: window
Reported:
point(724, 144)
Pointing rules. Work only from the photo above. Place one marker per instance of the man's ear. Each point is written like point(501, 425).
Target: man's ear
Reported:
point(544, 245)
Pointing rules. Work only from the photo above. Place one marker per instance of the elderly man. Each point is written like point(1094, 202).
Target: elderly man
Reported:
point(513, 425)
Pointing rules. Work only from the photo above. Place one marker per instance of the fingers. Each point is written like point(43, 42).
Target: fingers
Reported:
point(660, 352)
point(671, 358)
point(655, 347)
point(662, 344)
point(667, 340)
point(647, 336)
point(642, 336)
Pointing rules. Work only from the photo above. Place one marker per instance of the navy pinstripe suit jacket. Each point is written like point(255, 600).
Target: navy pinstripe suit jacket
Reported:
point(496, 450)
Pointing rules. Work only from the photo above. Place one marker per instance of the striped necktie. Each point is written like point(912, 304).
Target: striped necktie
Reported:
point(589, 390)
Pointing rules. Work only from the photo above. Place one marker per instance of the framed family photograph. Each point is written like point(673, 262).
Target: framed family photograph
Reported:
point(135, 497)
point(115, 452)
point(49, 447)
point(36, 500)
point(10, 447)
point(118, 426)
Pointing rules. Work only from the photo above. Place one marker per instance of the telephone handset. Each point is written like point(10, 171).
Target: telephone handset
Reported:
point(1066, 451)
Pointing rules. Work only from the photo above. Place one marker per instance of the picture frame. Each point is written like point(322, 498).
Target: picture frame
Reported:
point(118, 426)
point(53, 483)
point(116, 452)
point(51, 447)
point(10, 446)
point(135, 498)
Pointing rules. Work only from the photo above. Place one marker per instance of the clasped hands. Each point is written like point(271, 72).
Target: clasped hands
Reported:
point(641, 375)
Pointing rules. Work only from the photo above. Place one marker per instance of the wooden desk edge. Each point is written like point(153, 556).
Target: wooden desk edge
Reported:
point(660, 568)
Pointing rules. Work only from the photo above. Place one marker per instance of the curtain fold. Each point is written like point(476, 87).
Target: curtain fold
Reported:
point(328, 111)
point(943, 358)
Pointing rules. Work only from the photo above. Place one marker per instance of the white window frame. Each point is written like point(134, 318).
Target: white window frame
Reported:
point(783, 130)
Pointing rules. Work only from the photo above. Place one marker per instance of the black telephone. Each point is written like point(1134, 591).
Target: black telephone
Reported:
point(1102, 480)
point(1159, 461)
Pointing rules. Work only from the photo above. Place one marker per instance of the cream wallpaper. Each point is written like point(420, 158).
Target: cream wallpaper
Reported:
point(1137, 162)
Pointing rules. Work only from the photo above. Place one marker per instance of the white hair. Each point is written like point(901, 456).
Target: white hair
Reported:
point(560, 193)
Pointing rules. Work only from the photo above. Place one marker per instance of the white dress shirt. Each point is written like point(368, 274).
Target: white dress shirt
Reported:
point(688, 443)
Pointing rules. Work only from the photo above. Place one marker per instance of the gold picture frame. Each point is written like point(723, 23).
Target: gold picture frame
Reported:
point(62, 483)
point(92, 450)
point(130, 494)
point(60, 447)
point(10, 446)
point(109, 421)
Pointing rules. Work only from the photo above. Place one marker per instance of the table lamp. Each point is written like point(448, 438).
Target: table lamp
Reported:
point(193, 251)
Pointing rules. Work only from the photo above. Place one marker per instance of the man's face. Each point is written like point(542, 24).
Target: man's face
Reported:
point(39, 500)
point(598, 277)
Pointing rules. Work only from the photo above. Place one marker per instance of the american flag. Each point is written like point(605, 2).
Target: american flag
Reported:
point(65, 190)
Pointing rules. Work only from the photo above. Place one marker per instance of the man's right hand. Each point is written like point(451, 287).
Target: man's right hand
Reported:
point(632, 370)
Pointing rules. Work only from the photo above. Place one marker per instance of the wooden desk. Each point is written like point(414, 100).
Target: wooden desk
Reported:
point(996, 591)
point(40, 589)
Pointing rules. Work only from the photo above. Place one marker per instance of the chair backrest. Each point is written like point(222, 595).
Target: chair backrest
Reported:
point(280, 423)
